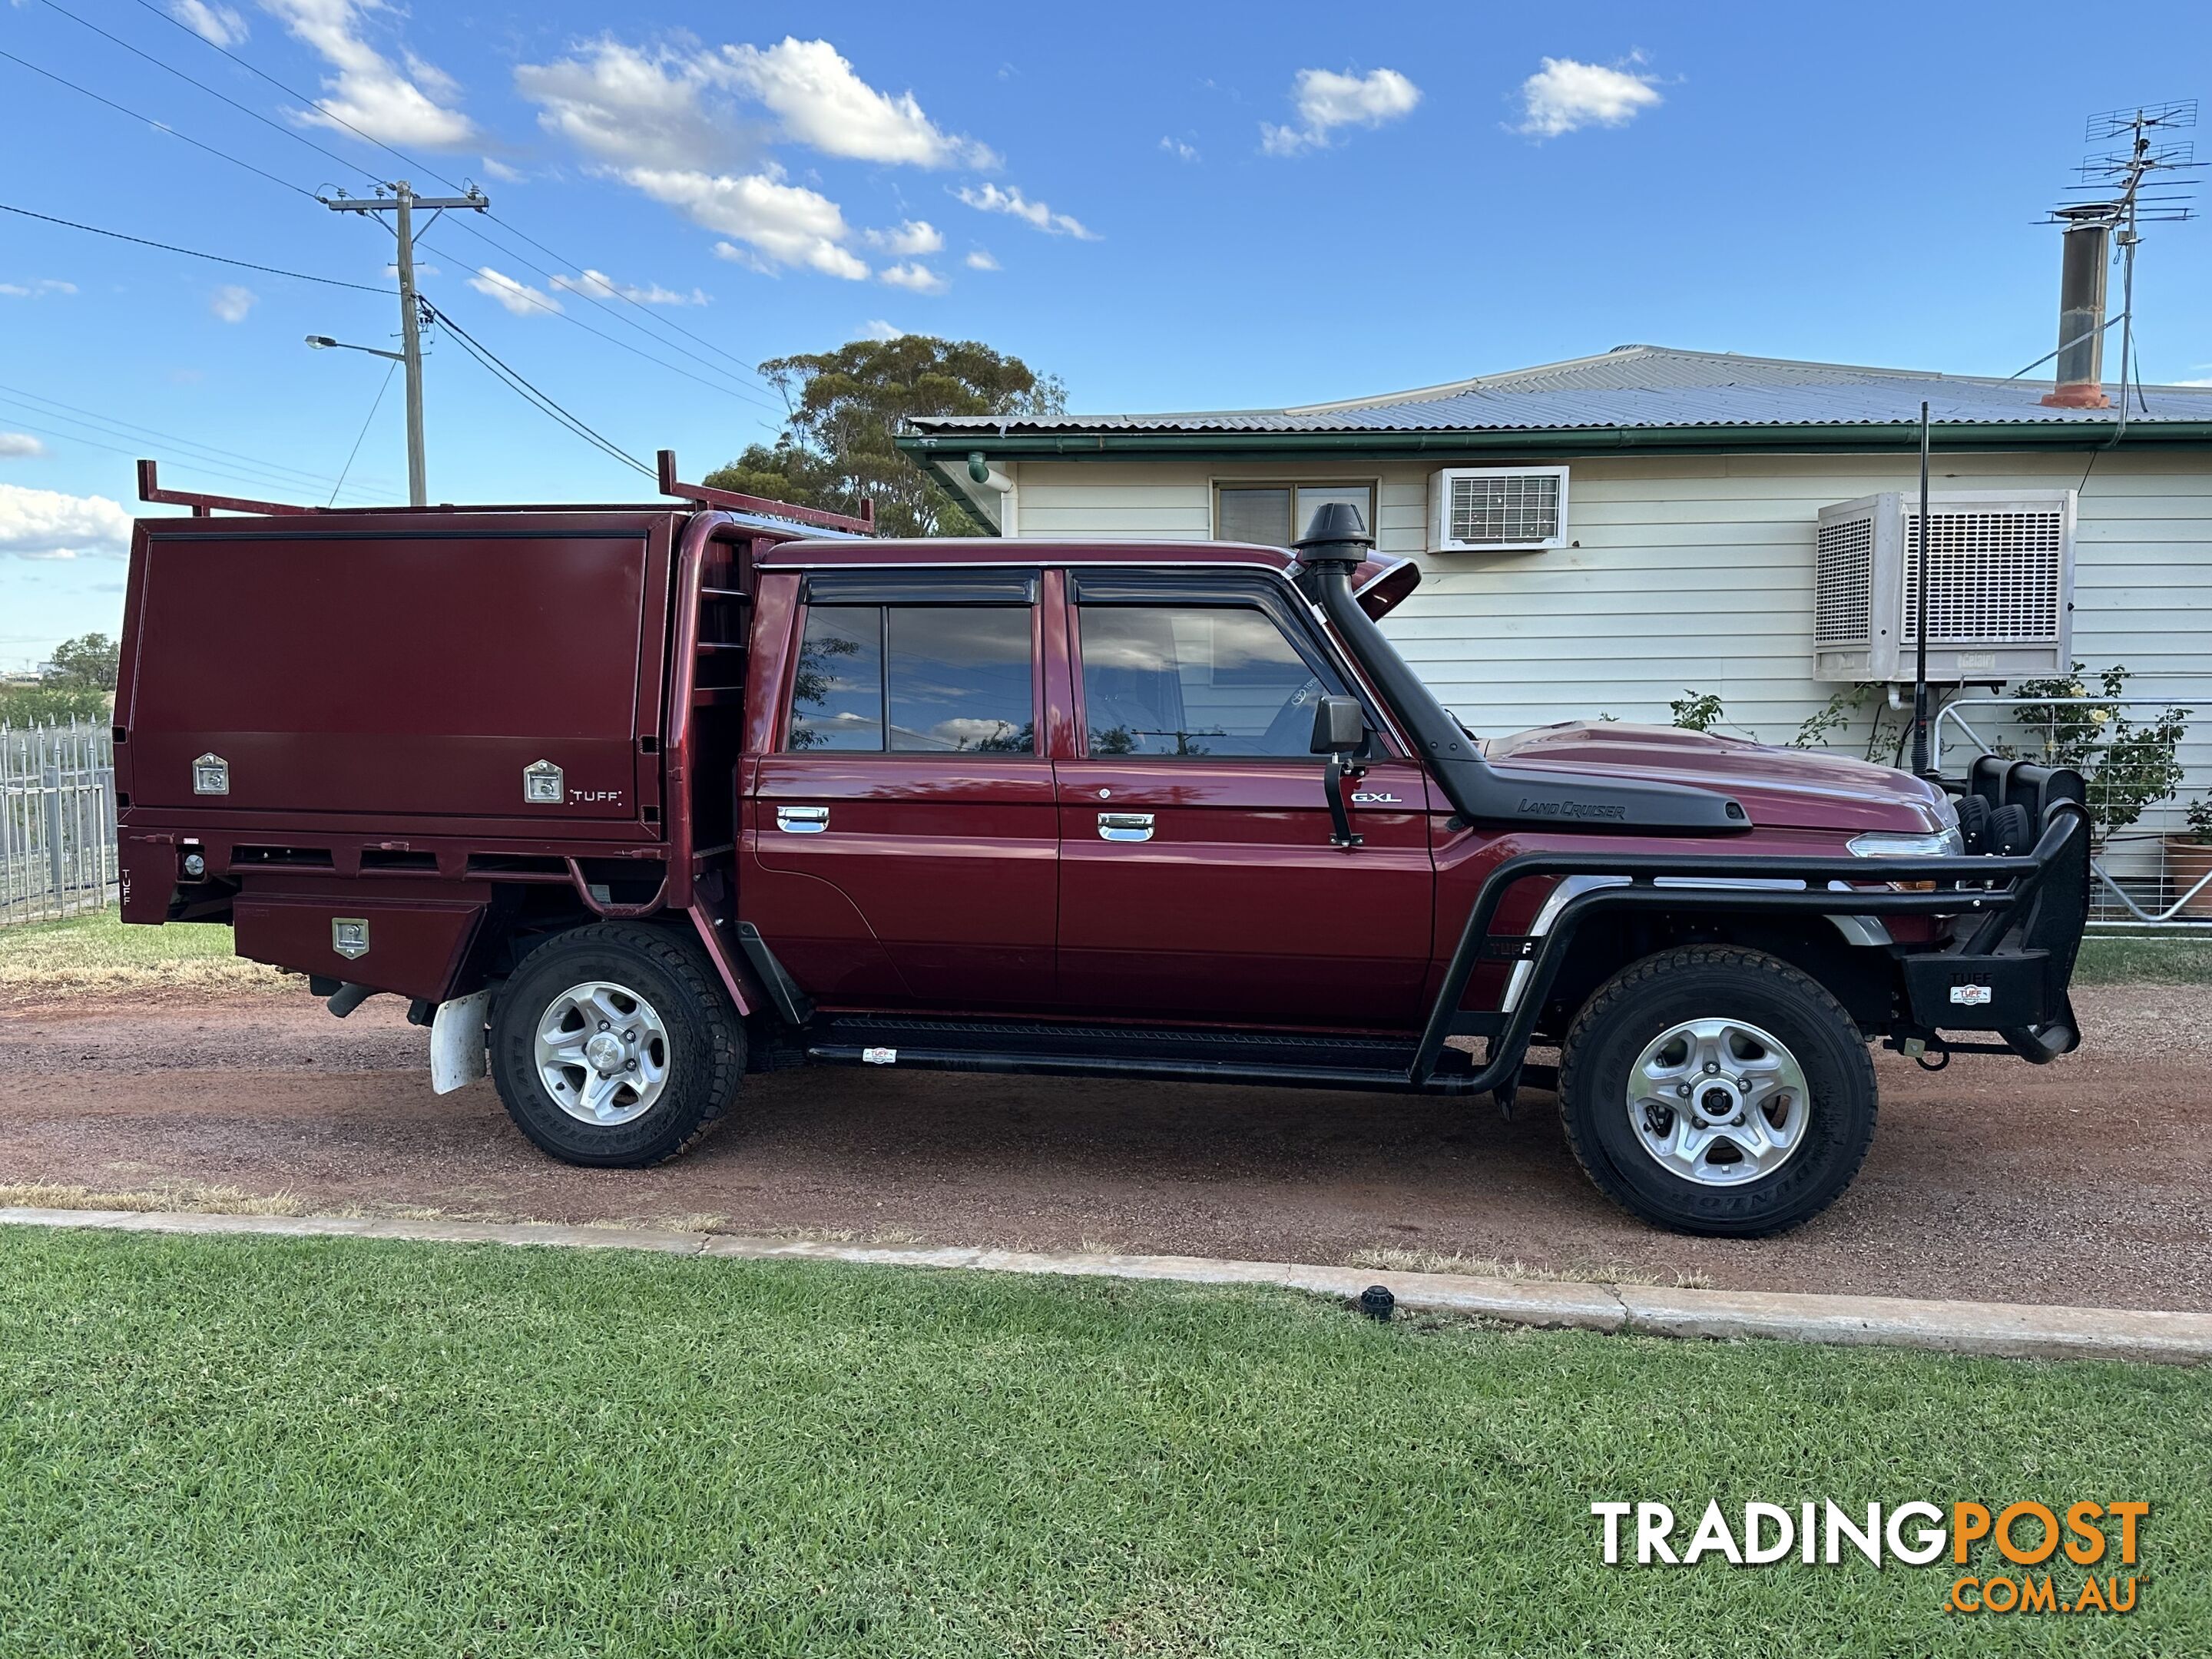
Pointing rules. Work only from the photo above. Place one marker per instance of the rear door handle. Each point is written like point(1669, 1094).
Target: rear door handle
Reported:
point(802, 820)
point(1125, 826)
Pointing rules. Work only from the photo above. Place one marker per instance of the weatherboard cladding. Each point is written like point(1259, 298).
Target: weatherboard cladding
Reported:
point(1650, 388)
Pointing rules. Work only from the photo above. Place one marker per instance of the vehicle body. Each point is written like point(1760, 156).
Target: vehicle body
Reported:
point(655, 795)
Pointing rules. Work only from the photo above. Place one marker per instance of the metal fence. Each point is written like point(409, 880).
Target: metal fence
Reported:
point(57, 821)
point(2147, 761)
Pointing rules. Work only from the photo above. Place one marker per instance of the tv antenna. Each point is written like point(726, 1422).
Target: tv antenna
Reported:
point(2152, 179)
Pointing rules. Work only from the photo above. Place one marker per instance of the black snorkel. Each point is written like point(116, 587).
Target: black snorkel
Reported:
point(1334, 546)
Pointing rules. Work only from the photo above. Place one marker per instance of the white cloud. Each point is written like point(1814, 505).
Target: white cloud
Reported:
point(876, 329)
point(594, 284)
point(980, 259)
point(914, 278)
point(499, 172)
point(520, 298)
point(45, 524)
point(369, 92)
point(217, 25)
point(915, 236)
point(1180, 150)
point(231, 302)
point(631, 108)
point(992, 200)
point(1326, 101)
point(20, 447)
point(778, 224)
point(819, 101)
point(1565, 95)
point(36, 288)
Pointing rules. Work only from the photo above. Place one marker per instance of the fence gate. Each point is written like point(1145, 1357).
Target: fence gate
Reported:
point(57, 820)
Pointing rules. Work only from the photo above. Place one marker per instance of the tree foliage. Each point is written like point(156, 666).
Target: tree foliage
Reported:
point(78, 684)
point(837, 450)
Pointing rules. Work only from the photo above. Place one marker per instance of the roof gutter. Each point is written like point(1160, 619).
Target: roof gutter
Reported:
point(935, 450)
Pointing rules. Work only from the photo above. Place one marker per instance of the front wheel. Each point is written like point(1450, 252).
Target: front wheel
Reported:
point(613, 1046)
point(1717, 1091)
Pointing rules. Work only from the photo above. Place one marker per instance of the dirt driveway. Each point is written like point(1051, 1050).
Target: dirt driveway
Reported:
point(2084, 1182)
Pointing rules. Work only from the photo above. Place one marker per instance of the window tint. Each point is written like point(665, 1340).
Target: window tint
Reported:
point(1187, 680)
point(938, 677)
point(960, 679)
point(837, 696)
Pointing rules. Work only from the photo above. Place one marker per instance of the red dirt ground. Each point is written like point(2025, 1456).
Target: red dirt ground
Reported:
point(2084, 1182)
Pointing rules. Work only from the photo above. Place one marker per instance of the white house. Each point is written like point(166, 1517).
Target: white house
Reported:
point(1608, 534)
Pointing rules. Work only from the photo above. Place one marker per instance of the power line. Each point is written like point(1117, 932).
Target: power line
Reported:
point(191, 463)
point(243, 109)
point(382, 386)
point(315, 104)
point(578, 286)
point(545, 405)
point(554, 310)
point(194, 253)
point(40, 404)
point(158, 126)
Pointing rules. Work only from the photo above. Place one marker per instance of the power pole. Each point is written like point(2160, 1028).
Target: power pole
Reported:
point(402, 203)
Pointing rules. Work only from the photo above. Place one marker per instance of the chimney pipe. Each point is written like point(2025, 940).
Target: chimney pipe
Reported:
point(2081, 309)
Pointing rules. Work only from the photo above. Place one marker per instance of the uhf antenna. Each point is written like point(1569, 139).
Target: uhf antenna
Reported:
point(2150, 177)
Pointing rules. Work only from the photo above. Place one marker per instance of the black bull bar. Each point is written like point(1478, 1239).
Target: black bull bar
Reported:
point(2033, 905)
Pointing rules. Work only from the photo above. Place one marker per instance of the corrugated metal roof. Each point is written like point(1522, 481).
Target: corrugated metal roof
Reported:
point(1642, 386)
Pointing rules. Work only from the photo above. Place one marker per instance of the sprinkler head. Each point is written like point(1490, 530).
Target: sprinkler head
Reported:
point(1376, 1302)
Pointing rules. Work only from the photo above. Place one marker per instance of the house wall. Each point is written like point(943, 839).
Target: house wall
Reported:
point(1695, 572)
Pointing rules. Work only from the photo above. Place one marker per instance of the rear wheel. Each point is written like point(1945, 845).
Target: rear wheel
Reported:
point(614, 1046)
point(1718, 1091)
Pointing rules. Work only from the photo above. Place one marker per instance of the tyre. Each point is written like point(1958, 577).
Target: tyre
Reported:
point(614, 1047)
point(1717, 1091)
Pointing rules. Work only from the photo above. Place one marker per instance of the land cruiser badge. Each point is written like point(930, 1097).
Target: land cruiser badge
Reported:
point(543, 784)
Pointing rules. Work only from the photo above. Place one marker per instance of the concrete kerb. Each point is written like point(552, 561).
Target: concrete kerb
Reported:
point(2006, 1330)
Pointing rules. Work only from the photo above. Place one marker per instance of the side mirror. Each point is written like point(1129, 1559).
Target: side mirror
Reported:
point(1340, 726)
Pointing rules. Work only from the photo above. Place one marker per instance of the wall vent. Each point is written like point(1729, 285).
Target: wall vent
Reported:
point(2000, 587)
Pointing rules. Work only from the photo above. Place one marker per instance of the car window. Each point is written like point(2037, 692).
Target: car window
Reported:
point(919, 679)
point(1195, 680)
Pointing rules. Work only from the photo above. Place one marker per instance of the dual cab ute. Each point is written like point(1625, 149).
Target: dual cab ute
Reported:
point(631, 801)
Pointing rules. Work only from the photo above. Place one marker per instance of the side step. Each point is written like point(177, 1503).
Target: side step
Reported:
point(1018, 1048)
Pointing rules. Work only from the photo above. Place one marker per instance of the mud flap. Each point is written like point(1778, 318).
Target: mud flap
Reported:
point(458, 1055)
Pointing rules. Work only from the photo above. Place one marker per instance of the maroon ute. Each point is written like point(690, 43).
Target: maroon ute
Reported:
point(629, 801)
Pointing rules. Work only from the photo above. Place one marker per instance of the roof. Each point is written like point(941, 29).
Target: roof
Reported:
point(1641, 387)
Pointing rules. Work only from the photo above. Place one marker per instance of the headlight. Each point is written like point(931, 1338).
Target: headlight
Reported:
point(1887, 844)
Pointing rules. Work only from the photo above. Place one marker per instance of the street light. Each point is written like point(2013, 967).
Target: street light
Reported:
point(323, 342)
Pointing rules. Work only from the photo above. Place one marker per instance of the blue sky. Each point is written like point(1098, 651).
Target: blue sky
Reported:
point(1169, 206)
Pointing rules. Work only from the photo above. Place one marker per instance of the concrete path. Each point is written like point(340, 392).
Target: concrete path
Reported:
point(2009, 1330)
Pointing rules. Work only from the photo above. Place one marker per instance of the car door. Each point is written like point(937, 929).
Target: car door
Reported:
point(1198, 877)
point(902, 837)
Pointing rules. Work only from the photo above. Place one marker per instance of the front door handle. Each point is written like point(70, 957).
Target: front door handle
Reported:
point(1125, 826)
point(802, 820)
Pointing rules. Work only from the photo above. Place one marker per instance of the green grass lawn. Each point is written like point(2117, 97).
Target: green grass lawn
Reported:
point(97, 953)
point(2183, 960)
point(302, 1448)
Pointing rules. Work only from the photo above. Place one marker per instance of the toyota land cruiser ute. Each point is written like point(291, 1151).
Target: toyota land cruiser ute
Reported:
point(630, 802)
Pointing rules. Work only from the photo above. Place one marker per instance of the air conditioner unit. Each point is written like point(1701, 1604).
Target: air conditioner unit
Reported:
point(1497, 509)
point(2000, 587)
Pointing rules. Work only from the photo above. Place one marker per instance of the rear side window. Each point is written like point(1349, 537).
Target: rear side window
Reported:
point(918, 678)
point(1195, 680)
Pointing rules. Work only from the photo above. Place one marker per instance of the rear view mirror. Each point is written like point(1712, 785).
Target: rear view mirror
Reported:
point(1340, 726)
